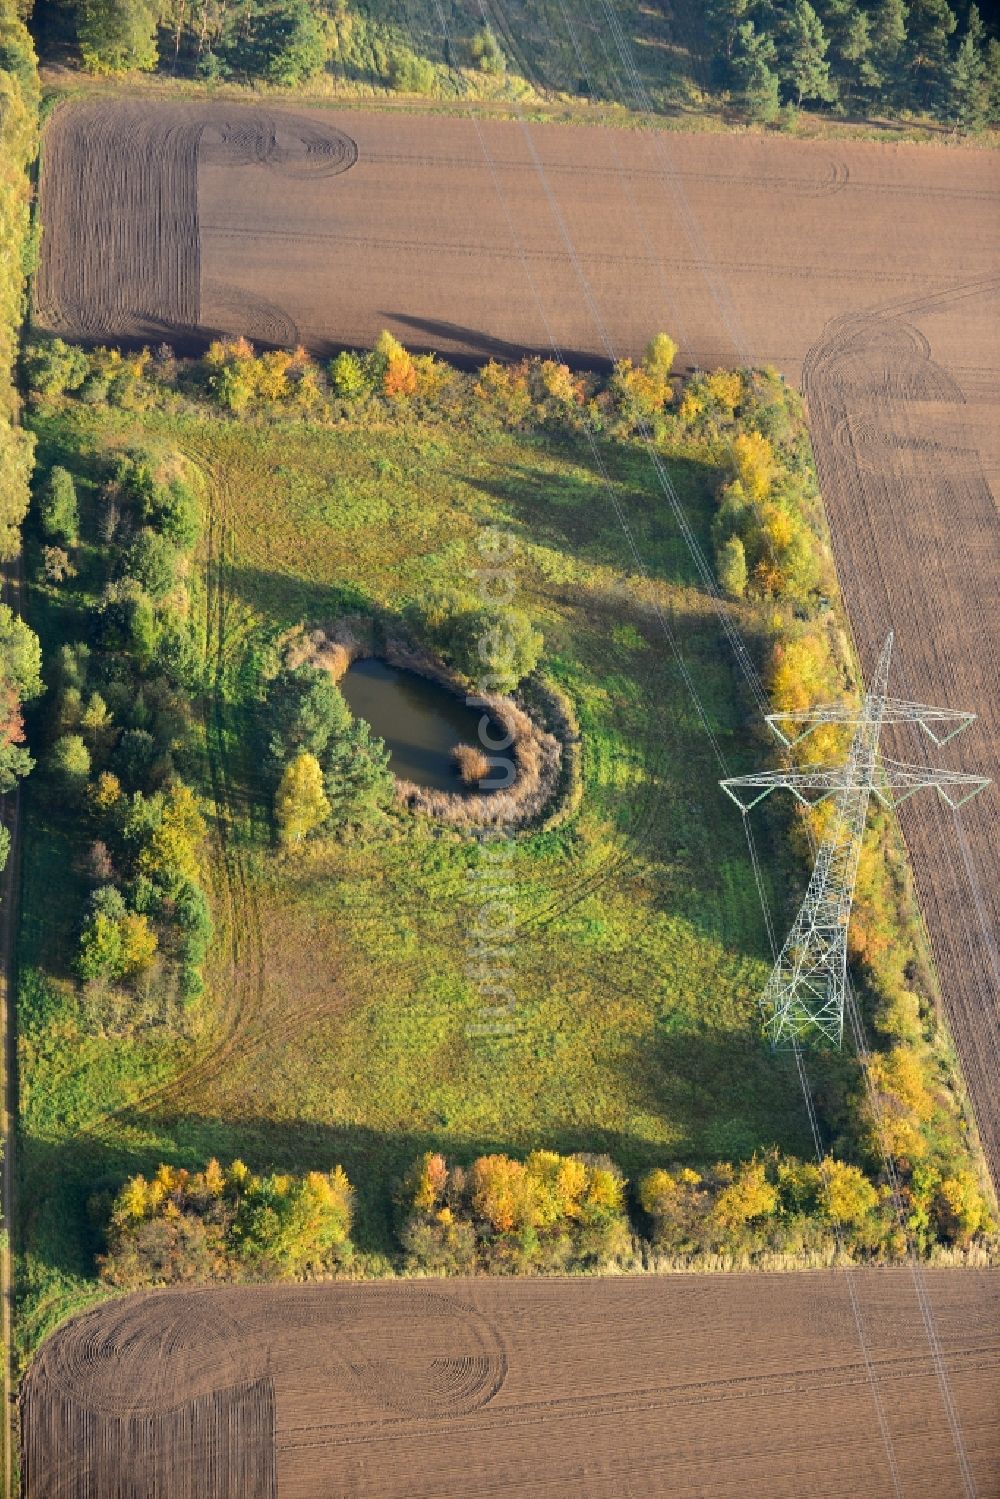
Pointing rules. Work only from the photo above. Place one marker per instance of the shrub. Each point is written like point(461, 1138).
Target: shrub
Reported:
point(505, 389)
point(54, 367)
point(487, 52)
point(56, 565)
point(286, 1226)
point(732, 567)
point(300, 804)
point(409, 73)
point(172, 508)
point(496, 648)
point(549, 1212)
point(69, 763)
point(226, 1224)
point(773, 1202)
point(960, 1209)
point(398, 375)
point(754, 463)
point(152, 561)
point(58, 509)
point(349, 377)
point(846, 1194)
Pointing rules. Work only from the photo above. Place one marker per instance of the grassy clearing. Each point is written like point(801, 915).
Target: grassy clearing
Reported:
point(339, 976)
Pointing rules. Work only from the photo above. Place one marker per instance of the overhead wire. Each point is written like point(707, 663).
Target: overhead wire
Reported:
point(706, 575)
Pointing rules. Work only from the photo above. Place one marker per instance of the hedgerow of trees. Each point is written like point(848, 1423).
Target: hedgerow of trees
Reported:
point(20, 656)
point(226, 1224)
point(117, 720)
point(546, 1214)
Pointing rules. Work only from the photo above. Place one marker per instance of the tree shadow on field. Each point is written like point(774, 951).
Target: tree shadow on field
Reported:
point(575, 514)
point(288, 599)
point(735, 1095)
point(445, 337)
point(730, 1094)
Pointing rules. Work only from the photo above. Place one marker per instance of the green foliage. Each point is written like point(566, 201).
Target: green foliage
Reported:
point(308, 723)
point(54, 367)
point(487, 52)
point(116, 36)
point(349, 376)
point(495, 648)
point(753, 71)
point(152, 561)
point(115, 943)
point(365, 511)
point(409, 73)
point(767, 530)
point(305, 709)
point(231, 1224)
point(172, 508)
point(57, 507)
point(286, 1227)
point(17, 456)
point(281, 42)
point(20, 656)
point(68, 762)
point(732, 563)
point(966, 89)
point(772, 1203)
point(359, 786)
point(807, 70)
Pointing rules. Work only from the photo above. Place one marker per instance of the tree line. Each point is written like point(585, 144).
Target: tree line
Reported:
point(849, 57)
point(20, 653)
point(546, 1214)
point(926, 57)
point(115, 728)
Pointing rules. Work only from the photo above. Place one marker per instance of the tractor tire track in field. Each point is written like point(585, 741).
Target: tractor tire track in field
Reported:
point(243, 993)
point(913, 521)
point(565, 1387)
point(119, 200)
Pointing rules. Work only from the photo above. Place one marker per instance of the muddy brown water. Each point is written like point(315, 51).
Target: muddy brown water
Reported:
point(420, 721)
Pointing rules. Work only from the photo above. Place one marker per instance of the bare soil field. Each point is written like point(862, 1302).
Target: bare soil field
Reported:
point(573, 1389)
point(868, 273)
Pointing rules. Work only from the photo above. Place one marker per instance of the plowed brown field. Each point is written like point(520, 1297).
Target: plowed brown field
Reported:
point(869, 273)
point(734, 1387)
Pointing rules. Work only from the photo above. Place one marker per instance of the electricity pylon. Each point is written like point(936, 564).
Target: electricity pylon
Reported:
point(807, 987)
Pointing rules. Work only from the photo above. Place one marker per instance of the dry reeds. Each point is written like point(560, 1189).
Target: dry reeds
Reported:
point(474, 764)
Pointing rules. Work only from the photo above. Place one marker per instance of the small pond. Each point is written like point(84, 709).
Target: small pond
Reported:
point(420, 721)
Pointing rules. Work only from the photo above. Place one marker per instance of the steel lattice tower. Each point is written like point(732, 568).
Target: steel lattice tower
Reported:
point(806, 990)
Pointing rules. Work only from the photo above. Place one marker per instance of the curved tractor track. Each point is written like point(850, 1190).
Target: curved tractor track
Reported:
point(680, 1385)
point(902, 480)
point(119, 199)
point(243, 990)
